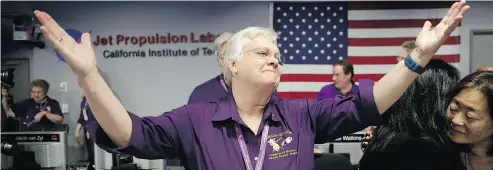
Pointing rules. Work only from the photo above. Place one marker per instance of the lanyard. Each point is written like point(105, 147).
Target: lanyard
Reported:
point(86, 104)
point(84, 110)
point(223, 84)
point(468, 165)
point(41, 106)
point(244, 150)
point(84, 113)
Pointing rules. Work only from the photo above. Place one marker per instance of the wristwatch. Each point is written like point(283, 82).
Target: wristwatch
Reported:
point(413, 65)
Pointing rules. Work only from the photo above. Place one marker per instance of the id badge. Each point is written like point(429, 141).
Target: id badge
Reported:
point(84, 113)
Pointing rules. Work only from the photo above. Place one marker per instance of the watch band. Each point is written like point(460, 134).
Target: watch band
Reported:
point(413, 65)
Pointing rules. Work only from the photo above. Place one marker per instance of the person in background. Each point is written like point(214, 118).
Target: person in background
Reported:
point(6, 97)
point(7, 102)
point(343, 86)
point(407, 48)
point(214, 88)
point(485, 68)
point(470, 115)
point(85, 117)
point(208, 135)
point(414, 135)
point(9, 124)
point(4, 119)
point(38, 113)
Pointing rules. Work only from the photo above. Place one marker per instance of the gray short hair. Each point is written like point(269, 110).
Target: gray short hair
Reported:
point(221, 39)
point(238, 41)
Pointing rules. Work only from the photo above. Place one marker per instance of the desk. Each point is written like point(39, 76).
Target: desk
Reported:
point(347, 144)
point(45, 149)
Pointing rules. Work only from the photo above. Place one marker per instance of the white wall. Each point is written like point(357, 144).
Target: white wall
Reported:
point(479, 17)
point(149, 88)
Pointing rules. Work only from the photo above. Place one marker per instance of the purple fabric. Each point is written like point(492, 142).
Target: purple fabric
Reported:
point(210, 90)
point(202, 134)
point(330, 91)
point(85, 106)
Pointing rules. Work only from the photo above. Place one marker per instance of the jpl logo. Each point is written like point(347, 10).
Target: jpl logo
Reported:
point(76, 34)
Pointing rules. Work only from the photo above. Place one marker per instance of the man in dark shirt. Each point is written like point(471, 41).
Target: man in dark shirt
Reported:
point(407, 48)
point(38, 113)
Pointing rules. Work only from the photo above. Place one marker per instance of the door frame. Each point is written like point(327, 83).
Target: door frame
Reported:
point(466, 35)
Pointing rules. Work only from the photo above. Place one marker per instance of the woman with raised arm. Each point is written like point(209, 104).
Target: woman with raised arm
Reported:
point(247, 130)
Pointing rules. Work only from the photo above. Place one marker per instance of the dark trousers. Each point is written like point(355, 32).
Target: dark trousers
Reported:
point(90, 152)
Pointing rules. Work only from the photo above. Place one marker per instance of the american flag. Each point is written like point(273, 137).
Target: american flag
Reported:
point(313, 36)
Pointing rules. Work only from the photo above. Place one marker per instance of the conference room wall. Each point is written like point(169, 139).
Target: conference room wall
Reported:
point(161, 85)
point(146, 86)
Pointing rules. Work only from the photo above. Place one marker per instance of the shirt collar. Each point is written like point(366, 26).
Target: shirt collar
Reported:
point(47, 100)
point(354, 89)
point(226, 109)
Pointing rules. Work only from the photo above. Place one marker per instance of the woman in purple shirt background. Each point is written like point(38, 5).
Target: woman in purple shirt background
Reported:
point(214, 88)
point(248, 129)
point(343, 86)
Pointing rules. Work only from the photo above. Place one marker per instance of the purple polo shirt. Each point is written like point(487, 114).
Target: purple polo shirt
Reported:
point(331, 91)
point(202, 134)
point(210, 90)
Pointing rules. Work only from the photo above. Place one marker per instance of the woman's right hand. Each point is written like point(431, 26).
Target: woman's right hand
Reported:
point(79, 56)
point(77, 137)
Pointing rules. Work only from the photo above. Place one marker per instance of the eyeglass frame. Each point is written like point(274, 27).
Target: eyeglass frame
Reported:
point(278, 56)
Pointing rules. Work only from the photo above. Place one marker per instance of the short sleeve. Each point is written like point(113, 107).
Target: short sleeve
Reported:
point(153, 137)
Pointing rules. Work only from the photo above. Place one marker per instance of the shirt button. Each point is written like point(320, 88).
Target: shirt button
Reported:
point(256, 158)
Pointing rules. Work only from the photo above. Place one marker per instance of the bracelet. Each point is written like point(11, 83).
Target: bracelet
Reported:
point(413, 65)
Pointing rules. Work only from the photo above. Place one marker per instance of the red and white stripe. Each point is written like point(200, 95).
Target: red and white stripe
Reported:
point(376, 34)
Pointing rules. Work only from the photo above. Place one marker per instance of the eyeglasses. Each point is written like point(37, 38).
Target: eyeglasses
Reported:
point(265, 54)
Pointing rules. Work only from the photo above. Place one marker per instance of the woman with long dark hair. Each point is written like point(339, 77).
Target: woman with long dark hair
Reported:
point(415, 133)
point(470, 114)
